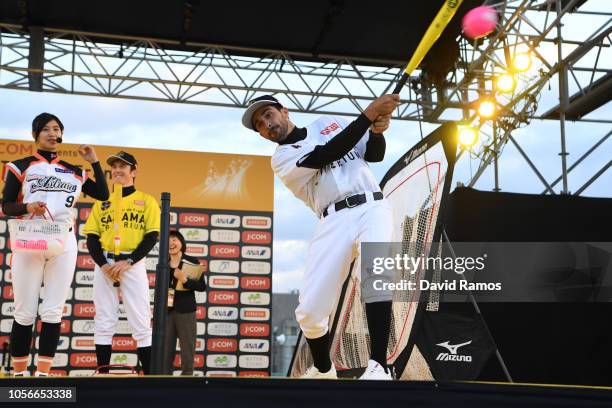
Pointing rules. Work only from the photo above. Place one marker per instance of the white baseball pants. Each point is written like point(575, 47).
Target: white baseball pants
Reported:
point(329, 257)
point(30, 271)
point(135, 295)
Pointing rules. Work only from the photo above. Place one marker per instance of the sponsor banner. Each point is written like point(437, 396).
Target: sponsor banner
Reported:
point(214, 329)
point(7, 324)
point(8, 276)
point(82, 245)
point(221, 345)
point(84, 343)
point(222, 313)
point(1, 274)
point(253, 374)
point(256, 268)
point(254, 329)
point(255, 298)
point(121, 311)
point(123, 327)
point(224, 251)
point(193, 219)
point(256, 237)
point(83, 360)
point(173, 218)
point(67, 312)
point(84, 277)
point(81, 373)
point(256, 222)
point(151, 263)
point(220, 373)
point(68, 295)
point(7, 259)
point(83, 326)
point(194, 234)
point(84, 310)
point(199, 345)
point(225, 221)
point(122, 343)
point(254, 346)
point(155, 250)
point(151, 278)
point(200, 297)
point(63, 343)
point(151, 295)
point(198, 360)
point(224, 266)
point(8, 308)
point(225, 236)
point(200, 312)
point(197, 250)
point(255, 314)
point(256, 252)
point(2, 226)
point(7, 292)
point(2, 242)
point(223, 282)
point(222, 297)
point(255, 283)
point(221, 361)
point(201, 328)
point(58, 373)
point(253, 361)
point(84, 294)
point(84, 213)
point(64, 326)
point(81, 228)
point(85, 262)
point(124, 358)
point(59, 360)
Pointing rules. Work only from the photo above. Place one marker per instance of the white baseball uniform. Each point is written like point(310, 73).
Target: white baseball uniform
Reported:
point(331, 249)
point(58, 184)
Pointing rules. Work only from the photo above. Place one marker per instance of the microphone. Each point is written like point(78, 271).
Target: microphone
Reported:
point(58, 139)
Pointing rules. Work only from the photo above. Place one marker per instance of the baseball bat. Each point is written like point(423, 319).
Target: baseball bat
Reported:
point(430, 37)
point(117, 195)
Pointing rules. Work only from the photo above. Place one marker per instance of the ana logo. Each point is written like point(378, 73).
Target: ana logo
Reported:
point(226, 236)
point(222, 313)
point(223, 297)
point(253, 361)
point(8, 308)
point(254, 329)
point(215, 329)
point(83, 360)
point(254, 314)
point(229, 282)
point(255, 283)
point(221, 345)
point(256, 222)
point(256, 252)
point(225, 221)
point(256, 268)
point(194, 234)
point(194, 219)
point(223, 266)
point(329, 129)
point(255, 298)
point(83, 326)
point(221, 361)
point(256, 237)
point(84, 310)
point(83, 343)
point(84, 294)
point(452, 354)
point(173, 218)
point(224, 251)
point(197, 250)
point(85, 262)
point(84, 277)
point(254, 346)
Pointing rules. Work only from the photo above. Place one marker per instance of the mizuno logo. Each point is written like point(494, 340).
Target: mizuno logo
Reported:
point(452, 348)
point(452, 355)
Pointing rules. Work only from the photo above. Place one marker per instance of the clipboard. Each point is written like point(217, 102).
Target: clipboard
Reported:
point(193, 271)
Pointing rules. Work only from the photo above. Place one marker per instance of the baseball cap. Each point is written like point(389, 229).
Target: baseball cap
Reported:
point(124, 157)
point(253, 105)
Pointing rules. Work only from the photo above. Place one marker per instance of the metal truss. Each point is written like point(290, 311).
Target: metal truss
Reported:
point(73, 62)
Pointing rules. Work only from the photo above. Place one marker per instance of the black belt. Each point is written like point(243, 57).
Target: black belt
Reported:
point(120, 257)
point(353, 201)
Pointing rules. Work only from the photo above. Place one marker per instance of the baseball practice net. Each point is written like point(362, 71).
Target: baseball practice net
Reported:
point(416, 186)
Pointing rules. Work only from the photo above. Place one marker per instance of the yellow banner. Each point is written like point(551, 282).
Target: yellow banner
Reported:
point(194, 179)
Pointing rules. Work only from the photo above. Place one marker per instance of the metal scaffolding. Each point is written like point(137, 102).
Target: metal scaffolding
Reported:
point(84, 63)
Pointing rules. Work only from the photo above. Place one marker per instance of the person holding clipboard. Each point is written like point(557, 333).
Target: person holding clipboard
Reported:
point(186, 277)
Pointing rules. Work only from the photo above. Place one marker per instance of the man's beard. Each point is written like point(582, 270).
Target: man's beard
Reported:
point(281, 132)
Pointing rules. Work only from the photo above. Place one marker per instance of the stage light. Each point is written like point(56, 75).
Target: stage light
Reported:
point(521, 61)
point(505, 83)
point(487, 108)
point(468, 135)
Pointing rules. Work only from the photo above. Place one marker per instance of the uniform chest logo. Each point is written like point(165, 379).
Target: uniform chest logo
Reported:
point(52, 183)
point(66, 171)
point(331, 128)
point(105, 205)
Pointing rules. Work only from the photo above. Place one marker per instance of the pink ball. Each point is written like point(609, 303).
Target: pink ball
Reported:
point(479, 22)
